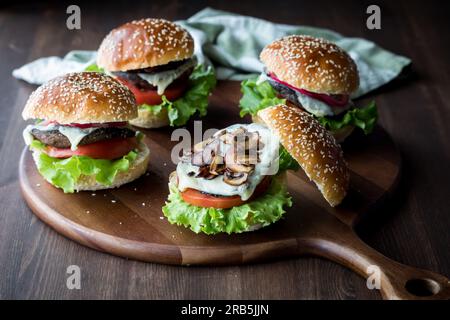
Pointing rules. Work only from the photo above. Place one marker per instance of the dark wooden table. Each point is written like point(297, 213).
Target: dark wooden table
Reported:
point(413, 229)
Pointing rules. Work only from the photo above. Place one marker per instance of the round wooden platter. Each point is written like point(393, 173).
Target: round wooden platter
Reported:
point(128, 221)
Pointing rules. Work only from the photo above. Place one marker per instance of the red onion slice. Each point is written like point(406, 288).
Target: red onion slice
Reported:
point(342, 101)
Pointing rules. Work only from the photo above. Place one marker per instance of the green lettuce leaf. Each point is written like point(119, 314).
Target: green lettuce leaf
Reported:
point(264, 210)
point(94, 68)
point(64, 173)
point(259, 96)
point(201, 82)
point(286, 162)
point(256, 96)
point(363, 118)
point(153, 109)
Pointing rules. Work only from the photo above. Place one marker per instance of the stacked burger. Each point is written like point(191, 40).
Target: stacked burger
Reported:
point(314, 75)
point(81, 139)
point(155, 59)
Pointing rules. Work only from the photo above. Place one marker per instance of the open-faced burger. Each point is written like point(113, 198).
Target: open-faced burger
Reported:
point(234, 181)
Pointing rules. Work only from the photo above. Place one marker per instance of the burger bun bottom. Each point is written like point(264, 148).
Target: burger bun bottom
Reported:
point(136, 169)
point(148, 120)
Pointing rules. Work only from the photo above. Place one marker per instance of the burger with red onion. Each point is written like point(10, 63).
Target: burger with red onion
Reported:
point(314, 75)
point(81, 139)
point(155, 59)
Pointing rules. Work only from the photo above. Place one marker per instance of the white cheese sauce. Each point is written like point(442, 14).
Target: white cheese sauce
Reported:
point(317, 107)
point(313, 106)
point(268, 165)
point(162, 80)
point(73, 134)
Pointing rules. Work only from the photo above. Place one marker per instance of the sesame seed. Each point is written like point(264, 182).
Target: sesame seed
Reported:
point(69, 98)
point(311, 63)
point(150, 39)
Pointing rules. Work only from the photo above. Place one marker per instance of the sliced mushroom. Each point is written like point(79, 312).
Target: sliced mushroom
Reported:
point(254, 141)
point(217, 166)
point(247, 159)
point(203, 172)
point(227, 138)
point(236, 164)
point(239, 131)
point(210, 176)
point(235, 179)
point(201, 145)
point(232, 164)
point(212, 147)
point(220, 133)
point(235, 167)
point(197, 159)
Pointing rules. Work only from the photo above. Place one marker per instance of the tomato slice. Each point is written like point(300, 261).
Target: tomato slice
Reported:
point(106, 149)
point(151, 97)
point(199, 199)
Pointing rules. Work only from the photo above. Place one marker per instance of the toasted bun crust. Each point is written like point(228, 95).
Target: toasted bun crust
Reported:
point(83, 97)
point(313, 147)
point(312, 64)
point(144, 43)
point(137, 169)
point(147, 119)
point(339, 135)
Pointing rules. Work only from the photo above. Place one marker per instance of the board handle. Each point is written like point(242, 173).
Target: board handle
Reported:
point(396, 281)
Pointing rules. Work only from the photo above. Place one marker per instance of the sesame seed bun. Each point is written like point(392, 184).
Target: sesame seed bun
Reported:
point(339, 135)
point(136, 169)
point(314, 148)
point(144, 43)
point(312, 64)
point(84, 97)
point(147, 119)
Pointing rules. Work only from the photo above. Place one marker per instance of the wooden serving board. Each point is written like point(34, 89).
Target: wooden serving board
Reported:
point(128, 221)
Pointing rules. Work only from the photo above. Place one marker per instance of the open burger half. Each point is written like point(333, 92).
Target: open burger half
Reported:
point(314, 75)
point(229, 183)
point(81, 139)
point(155, 59)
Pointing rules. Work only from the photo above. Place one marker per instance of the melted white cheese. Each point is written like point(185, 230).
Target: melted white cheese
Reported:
point(162, 80)
point(73, 134)
point(268, 165)
point(317, 107)
point(313, 106)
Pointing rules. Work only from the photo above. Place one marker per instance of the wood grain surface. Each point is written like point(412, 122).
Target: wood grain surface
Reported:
point(128, 221)
point(412, 229)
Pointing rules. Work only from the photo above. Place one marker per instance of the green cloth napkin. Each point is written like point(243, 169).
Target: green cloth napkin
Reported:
point(232, 43)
